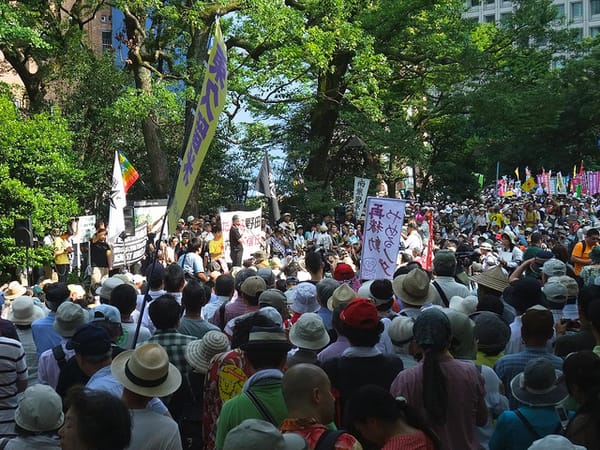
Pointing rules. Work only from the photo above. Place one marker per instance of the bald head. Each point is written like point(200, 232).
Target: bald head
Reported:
point(300, 383)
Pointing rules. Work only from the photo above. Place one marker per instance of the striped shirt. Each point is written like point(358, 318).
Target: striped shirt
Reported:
point(13, 367)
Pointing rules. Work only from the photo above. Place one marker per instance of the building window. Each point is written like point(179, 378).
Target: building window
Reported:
point(579, 35)
point(595, 7)
point(490, 2)
point(560, 11)
point(576, 11)
point(594, 31)
point(489, 19)
point(106, 41)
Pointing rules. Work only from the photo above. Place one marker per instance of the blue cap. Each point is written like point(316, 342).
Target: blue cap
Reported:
point(90, 340)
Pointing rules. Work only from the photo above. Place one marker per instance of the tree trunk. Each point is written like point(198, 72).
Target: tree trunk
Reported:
point(331, 89)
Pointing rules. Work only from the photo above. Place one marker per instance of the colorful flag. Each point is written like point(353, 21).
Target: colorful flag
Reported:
point(116, 219)
point(527, 172)
point(265, 184)
point(517, 173)
point(528, 185)
point(206, 117)
point(130, 175)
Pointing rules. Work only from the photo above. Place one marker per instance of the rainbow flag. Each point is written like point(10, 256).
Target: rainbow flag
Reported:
point(130, 175)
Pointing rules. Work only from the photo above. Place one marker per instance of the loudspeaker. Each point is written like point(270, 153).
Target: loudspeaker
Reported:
point(128, 216)
point(23, 233)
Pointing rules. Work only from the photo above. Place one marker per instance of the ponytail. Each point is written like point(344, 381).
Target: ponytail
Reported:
point(435, 389)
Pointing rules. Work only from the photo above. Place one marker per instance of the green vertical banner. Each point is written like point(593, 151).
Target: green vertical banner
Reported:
point(480, 181)
point(210, 106)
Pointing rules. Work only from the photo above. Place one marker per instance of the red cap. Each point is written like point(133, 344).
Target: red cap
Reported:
point(343, 272)
point(361, 314)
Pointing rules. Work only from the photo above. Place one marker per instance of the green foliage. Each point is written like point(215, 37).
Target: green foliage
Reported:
point(40, 178)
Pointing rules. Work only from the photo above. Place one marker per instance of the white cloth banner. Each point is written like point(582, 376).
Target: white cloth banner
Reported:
point(250, 227)
point(382, 232)
point(361, 189)
point(116, 219)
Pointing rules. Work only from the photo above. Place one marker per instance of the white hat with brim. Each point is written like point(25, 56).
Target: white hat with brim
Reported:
point(40, 409)
point(342, 295)
point(14, 290)
point(24, 311)
point(105, 290)
point(146, 371)
point(254, 433)
point(414, 288)
point(199, 353)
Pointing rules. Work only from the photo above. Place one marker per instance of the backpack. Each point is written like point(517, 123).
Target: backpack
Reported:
point(328, 439)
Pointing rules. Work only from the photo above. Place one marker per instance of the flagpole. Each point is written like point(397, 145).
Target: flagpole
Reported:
point(186, 136)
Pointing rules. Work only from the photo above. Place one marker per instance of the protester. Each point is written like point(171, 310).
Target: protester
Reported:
point(255, 434)
point(95, 420)
point(23, 312)
point(450, 393)
point(390, 423)
point(44, 335)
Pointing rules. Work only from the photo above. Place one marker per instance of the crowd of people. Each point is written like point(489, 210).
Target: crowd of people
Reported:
point(486, 337)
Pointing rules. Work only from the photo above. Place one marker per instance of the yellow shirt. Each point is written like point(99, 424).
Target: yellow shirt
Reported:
point(60, 254)
point(216, 248)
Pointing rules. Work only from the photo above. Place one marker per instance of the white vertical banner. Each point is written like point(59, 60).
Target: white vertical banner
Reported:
point(381, 241)
point(250, 227)
point(116, 219)
point(361, 188)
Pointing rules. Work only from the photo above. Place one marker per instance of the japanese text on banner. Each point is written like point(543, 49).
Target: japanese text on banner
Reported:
point(209, 108)
point(383, 229)
point(361, 188)
point(250, 227)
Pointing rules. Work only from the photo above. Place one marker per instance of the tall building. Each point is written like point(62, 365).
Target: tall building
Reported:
point(581, 15)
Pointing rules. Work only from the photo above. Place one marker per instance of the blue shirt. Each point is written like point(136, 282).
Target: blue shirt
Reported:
point(44, 335)
point(104, 380)
point(512, 434)
point(326, 315)
point(510, 366)
point(191, 263)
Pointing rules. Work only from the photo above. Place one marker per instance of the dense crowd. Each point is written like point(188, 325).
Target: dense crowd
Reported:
point(486, 337)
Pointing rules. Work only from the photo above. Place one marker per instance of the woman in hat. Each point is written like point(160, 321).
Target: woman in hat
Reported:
point(539, 388)
point(582, 376)
point(390, 423)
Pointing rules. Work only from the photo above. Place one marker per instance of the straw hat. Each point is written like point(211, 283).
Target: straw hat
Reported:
point(146, 371)
point(494, 278)
point(199, 353)
point(14, 290)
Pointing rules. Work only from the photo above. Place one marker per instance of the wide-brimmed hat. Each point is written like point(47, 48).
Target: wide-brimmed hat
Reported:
point(309, 332)
point(254, 433)
point(40, 409)
point(485, 245)
point(267, 338)
point(379, 292)
point(494, 279)
point(555, 292)
point(24, 311)
point(14, 290)
point(107, 286)
point(274, 298)
point(511, 236)
point(414, 288)
point(304, 298)
point(76, 289)
point(466, 305)
point(539, 384)
point(199, 353)
point(342, 294)
point(69, 317)
point(146, 371)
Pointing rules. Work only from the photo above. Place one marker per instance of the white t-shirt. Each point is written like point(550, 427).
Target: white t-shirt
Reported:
point(153, 431)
